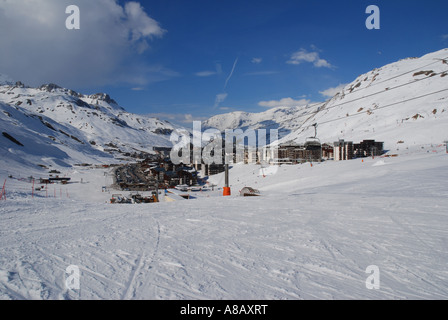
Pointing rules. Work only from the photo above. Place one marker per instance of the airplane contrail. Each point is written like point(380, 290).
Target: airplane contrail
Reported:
point(231, 73)
point(223, 96)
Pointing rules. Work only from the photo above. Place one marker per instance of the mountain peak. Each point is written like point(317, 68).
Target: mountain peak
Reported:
point(50, 87)
point(53, 88)
point(102, 97)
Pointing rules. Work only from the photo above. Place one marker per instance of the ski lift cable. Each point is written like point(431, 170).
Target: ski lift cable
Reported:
point(367, 96)
point(385, 80)
point(392, 88)
point(400, 75)
point(382, 107)
point(386, 106)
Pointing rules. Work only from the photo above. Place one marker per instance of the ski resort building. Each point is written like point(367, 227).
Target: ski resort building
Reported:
point(292, 153)
point(252, 156)
point(327, 152)
point(170, 176)
point(347, 150)
point(343, 150)
point(368, 148)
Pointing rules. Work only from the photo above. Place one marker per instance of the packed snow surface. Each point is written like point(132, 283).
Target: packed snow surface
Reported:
point(311, 234)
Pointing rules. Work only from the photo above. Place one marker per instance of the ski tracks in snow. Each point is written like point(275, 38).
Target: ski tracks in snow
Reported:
point(142, 271)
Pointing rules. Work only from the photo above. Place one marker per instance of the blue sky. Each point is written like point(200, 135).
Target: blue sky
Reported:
point(185, 60)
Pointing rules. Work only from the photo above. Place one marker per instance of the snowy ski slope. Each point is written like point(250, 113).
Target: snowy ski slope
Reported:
point(311, 235)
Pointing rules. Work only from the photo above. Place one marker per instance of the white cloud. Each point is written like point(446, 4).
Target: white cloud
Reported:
point(444, 37)
point(313, 57)
point(220, 98)
point(38, 48)
point(188, 118)
point(205, 73)
point(322, 63)
point(256, 60)
point(285, 102)
point(330, 92)
point(208, 73)
point(140, 25)
point(313, 47)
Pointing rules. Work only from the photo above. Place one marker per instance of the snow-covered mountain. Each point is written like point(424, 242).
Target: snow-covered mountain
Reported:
point(285, 119)
point(53, 125)
point(403, 102)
